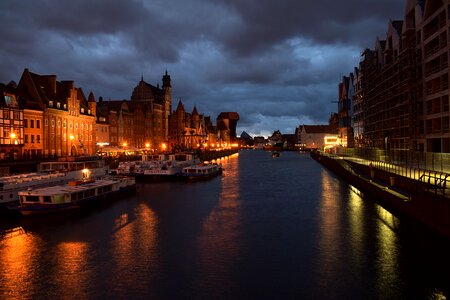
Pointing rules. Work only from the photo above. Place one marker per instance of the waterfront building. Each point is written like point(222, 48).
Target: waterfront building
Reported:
point(46, 117)
point(226, 126)
point(68, 117)
point(11, 122)
point(345, 111)
point(401, 87)
point(316, 136)
point(102, 127)
point(190, 130)
point(357, 116)
point(33, 118)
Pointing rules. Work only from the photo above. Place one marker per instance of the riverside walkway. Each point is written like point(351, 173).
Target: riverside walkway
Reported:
point(437, 182)
point(418, 194)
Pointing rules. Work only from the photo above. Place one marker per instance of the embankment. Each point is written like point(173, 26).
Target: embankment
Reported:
point(407, 198)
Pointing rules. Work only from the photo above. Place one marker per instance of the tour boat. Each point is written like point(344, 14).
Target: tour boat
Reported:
point(275, 154)
point(50, 174)
point(72, 195)
point(158, 167)
point(201, 171)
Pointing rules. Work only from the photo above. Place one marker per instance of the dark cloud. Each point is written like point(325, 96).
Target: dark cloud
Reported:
point(277, 63)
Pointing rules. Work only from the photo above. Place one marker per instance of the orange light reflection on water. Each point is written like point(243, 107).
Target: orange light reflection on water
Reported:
point(72, 269)
point(134, 235)
point(218, 243)
point(18, 263)
point(329, 234)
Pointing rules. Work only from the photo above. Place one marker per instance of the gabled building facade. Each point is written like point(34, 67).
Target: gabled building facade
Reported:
point(68, 126)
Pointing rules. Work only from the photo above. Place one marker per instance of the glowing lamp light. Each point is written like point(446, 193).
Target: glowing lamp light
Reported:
point(12, 135)
point(164, 146)
point(85, 173)
point(71, 137)
point(125, 144)
point(147, 145)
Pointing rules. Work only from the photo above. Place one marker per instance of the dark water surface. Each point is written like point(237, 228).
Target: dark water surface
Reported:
point(269, 228)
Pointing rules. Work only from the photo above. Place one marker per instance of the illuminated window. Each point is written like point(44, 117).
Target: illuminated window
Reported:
point(50, 103)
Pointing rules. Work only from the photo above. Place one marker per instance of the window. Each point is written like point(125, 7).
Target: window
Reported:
point(53, 122)
point(38, 139)
point(59, 123)
point(32, 138)
point(31, 123)
point(38, 124)
point(26, 138)
point(58, 105)
point(6, 116)
point(82, 110)
point(25, 123)
point(46, 122)
point(8, 100)
point(50, 103)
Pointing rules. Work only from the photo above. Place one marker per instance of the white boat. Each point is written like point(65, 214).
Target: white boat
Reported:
point(50, 174)
point(162, 167)
point(201, 171)
point(72, 195)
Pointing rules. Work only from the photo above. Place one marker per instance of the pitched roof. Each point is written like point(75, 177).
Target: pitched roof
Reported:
point(398, 25)
point(317, 128)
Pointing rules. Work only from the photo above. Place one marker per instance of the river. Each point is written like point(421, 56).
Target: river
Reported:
point(272, 228)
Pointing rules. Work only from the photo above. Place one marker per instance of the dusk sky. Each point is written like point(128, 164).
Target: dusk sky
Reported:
point(277, 63)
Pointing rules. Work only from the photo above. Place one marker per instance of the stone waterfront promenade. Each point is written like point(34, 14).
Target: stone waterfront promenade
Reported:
point(420, 195)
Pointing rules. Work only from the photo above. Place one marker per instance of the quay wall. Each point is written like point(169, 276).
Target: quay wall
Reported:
point(210, 155)
point(429, 210)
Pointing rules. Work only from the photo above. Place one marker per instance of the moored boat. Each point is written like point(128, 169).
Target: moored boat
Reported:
point(201, 171)
point(50, 174)
point(275, 154)
point(74, 194)
point(158, 167)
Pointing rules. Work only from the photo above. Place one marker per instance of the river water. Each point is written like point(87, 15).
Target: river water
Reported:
point(268, 228)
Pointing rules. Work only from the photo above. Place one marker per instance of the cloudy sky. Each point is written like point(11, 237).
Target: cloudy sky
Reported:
point(276, 62)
